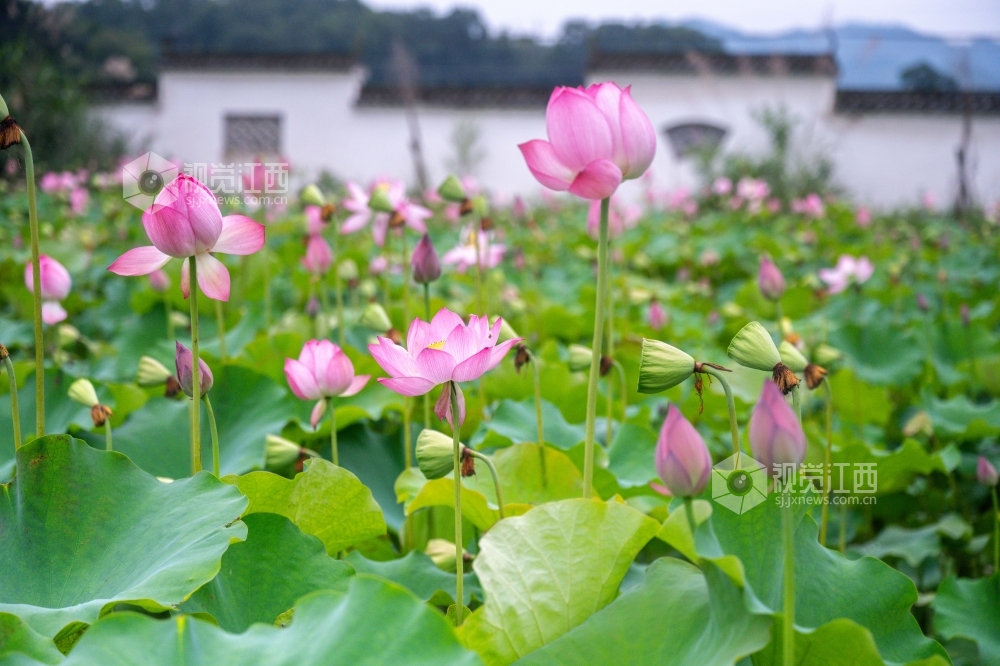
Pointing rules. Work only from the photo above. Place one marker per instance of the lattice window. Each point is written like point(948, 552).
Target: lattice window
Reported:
point(692, 138)
point(253, 135)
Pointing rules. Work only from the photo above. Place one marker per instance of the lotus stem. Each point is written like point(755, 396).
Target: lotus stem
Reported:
point(334, 456)
point(496, 478)
point(337, 284)
point(734, 428)
point(595, 359)
point(107, 436)
point(407, 433)
point(324, 304)
point(427, 314)
point(36, 280)
point(536, 375)
point(623, 388)
point(788, 608)
point(457, 472)
point(15, 415)
point(827, 455)
point(215, 435)
point(689, 512)
point(797, 402)
point(195, 372)
point(220, 318)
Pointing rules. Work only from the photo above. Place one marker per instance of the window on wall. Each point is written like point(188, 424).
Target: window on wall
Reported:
point(689, 139)
point(253, 135)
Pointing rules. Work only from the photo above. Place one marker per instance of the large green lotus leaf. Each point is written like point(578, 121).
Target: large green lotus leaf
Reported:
point(880, 352)
point(248, 406)
point(417, 573)
point(914, 545)
point(520, 470)
point(516, 422)
point(970, 609)
point(108, 532)
point(857, 401)
point(676, 616)
point(375, 623)
point(632, 454)
point(961, 417)
point(16, 637)
point(324, 500)
point(827, 585)
point(547, 571)
point(416, 492)
point(265, 575)
point(896, 468)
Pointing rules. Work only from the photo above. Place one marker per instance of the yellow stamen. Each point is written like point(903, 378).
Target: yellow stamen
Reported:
point(436, 345)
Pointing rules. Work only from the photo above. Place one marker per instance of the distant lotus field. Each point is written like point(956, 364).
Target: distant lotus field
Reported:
point(374, 425)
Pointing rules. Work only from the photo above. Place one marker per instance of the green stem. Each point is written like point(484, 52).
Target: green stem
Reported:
point(797, 402)
point(496, 478)
point(827, 454)
point(337, 285)
point(333, 432)
point(689, 511)
point(36, 280)
point(734, 428)
point(427, 314)
point(996, 531)
point(788, 609)
point(407, 433)
point(623, 388)
point(842, 545)
point(538, 416)
point(15, 415)
point(107, 435)
point(220, 318)
point(195, 372)
point(215, 435)
point(457, 460)
point(324, 304)
point(595, 359)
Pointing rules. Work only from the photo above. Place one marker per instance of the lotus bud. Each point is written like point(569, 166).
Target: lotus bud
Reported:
point(184, 361)
point(442, 553)
point(753, 348)
point(682, 460)
point(312, 307)
point(312, 195)
point(776, 435)
point(662, 366)
point(375, 318)
point(379, 201)
point(424, 262)
point(452, 190)
point(923, 304)
point(770, 280)
point(986, 473)
point(826, 355)
point(435, 453)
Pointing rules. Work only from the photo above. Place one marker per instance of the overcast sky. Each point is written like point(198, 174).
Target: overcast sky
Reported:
point(954, 18)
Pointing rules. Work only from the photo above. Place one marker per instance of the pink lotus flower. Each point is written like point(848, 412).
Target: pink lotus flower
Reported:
point(598, 137)
point(776, 435)
point(378, 265)
point(159, 281)
point(424, 263)
point(444, 350)
point(184, 363)
point(56, 284)
point(847, 270)
point(357, 203)
point(810, 206)
point(79, 198)
point(770, 280)
point(722, 186)
point(863, 217)
point(463, 256)
point(185, 222)
point(405, 212)
point(986, 473)
point(314, 220)
point(682, 461)
point(319, 255)
point(656, 316)
point(321, 372)
point(753, 189)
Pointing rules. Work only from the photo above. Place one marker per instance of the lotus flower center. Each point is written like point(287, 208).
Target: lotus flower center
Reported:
point(436, 345)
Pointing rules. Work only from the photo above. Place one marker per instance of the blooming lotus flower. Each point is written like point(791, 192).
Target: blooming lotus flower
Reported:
point(79, 198)
point(357, 204)
point(986, 473)
point(810, 206)
point(682, 460)
point(378, 265)
point(443, 350)
point(770, 280)
point(314, 220)
point(753, 189)
point(463, 256)
point(319, 256)
point(776, 435)
point(424, 262)
point(722, 186)
point(404, 212)
point(598, 137)
point(847, 270)
point(321, 372)
point(56, 284)
point(184, 362)
point(184, 222)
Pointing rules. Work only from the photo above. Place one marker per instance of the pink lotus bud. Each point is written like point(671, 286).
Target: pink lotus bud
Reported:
point(322, 371)
point(159, 280)
point(770, 280)
point(863, 217)
point(923, 303)
point(312, 307)
point(319, 256)
point(424, 262)
point(56, 281)
point(657, 315)
point(986, 473)
point(682, 460)
point(776, 435)
point(184, 362)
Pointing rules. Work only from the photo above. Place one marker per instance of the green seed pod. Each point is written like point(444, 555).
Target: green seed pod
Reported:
point(312, 195)
point(452, 190)
point(379, 201)
point(662, 366)
point(280, 452)
point(826, 355)
point(82, 391)
point(442, 553)
point(435, 454)
point(3, 108)
point(348, 270)
point(481, 206)
point(792, 357)
point(376, 318)
point(753, 348)
point(151, 373)
point(579, 358)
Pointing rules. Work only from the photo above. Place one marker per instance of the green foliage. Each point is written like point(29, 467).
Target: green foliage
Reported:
point(970, 609)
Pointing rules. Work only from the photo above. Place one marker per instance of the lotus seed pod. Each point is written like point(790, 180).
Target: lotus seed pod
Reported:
point(579, 358)
point(376, 318)
point(312, 195)
point(753, 347)
point(435, 454)
point(481, 206)
point(379, 200)
point(82, 391)
point(348, 270)
point(3, 108)
point(452, 190)
point(662, 366)
point(826, 355)
point(151, 373)
point(792, 357)
point(280, 452)
point(442, 553)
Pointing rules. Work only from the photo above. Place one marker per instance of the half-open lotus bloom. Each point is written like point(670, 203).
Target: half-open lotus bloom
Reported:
point(847, 270)
point(56, 284)
point(598, 137)
point(184, 362)
point(776, 435)
point(444, 350)
point(183, 222)
point(322, 371)
point(682, 460)
point(319, 256)
point(357, 203)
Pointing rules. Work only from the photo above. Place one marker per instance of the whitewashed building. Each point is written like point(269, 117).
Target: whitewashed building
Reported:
point(888, 148)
